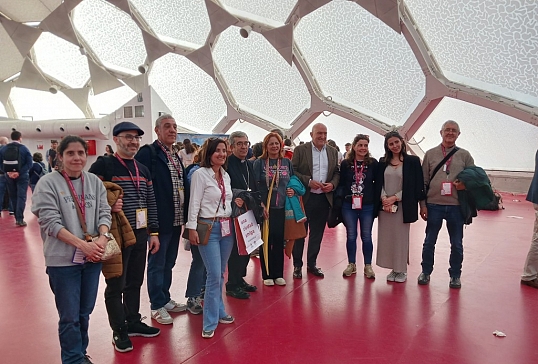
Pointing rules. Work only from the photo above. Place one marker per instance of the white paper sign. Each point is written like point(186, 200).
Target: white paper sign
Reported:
point(250, 230)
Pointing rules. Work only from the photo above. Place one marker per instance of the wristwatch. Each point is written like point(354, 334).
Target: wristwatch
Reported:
point(108, 235)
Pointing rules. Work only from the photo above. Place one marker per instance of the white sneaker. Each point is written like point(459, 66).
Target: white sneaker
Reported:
point(391, 276)
point(280, 282)
point(400, 277)
point(162, 316)
point(173, 306)
point(268, 282)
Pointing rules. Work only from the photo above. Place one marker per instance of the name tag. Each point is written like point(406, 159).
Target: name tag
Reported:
point(225, 229)
point(356, 203)
point(79, 257)
point(141, 218)
point(446, 189)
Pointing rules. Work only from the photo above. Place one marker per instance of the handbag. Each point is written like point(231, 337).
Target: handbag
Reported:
point(294, 230)
point(203, 228)
point(112, 248)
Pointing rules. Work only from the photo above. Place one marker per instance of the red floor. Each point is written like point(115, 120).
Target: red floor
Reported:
point(330, 320)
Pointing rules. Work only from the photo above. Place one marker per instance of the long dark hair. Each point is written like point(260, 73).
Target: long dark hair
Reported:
point(189, 148)
point(208, 149)
point(388, 152)
point(350, 156)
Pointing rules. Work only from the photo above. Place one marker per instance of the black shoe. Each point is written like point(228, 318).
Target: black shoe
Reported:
point(315, 271)
point(11, 213)
point(121, 341)
point(194, 305)
point(248, 287)
point(86, 360)
point(455, 282)
point(423, 278)
point(297, 273)
point(238, 293)
point(21, 223)
point(139, 328)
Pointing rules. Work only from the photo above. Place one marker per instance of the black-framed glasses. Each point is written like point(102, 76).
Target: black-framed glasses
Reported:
point(130, 137)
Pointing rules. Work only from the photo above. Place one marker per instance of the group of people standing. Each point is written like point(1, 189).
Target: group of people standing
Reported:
point(151, 188)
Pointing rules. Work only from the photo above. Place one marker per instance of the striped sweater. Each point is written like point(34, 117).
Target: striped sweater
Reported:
point(133, 199)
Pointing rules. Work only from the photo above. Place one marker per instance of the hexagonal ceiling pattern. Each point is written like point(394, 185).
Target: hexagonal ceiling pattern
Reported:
point(346, 61)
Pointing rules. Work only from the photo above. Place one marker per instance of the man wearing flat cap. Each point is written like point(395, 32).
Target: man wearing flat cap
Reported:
point(122, 294)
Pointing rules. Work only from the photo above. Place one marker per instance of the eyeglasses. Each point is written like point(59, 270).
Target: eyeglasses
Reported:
point(130, 137)
point(243, 144)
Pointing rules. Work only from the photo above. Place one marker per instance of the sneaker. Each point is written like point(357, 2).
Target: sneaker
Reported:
point(11, 213)
point(268, 282)
point(139, 328)
point(208, 334)
point(455, 282)
point(194, 305)
point(121, 341)
point(350, 269)
point(238, 293)
point(280, 282)
point(368, 271)
point(297, 273)
point(21, 223)
point(173, 306)
point(162, 316)
point(391, 276)
point(86, 360)
point(532, 283)
point(400, 277)
point(423, 278)
point(226, 319)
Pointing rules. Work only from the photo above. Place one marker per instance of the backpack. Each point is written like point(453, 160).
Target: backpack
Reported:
point(43, 170)
point(12, 158)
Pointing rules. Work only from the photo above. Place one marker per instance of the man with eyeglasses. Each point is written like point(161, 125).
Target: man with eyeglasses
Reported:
point(441, 166)
point(122, 293)
point(168, 175)
point(241, 176)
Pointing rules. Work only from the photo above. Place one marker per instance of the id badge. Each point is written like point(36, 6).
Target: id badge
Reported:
point(141, 218)
point(182, 195)
point(357, 203)
point(225, 227)
point(446, 189)
point(79, 257)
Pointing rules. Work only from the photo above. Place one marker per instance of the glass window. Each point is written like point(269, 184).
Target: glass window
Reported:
point(128, 112)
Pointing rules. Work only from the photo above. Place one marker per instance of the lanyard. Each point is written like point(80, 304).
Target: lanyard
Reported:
point(247, 181)
point(170, 158)
point(81, 202)
point(447, 163)
point(269, 176)
point(135, 182)
point(222, 189)
point(359, 175)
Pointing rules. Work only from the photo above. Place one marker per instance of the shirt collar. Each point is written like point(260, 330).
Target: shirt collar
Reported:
point(319, 150)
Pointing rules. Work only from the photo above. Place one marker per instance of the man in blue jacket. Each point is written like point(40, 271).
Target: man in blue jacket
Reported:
point(530, 271)
point(15, 162)
point(168, 184)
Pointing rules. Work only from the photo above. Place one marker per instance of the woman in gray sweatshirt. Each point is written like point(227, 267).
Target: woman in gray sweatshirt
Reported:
point(73, 264)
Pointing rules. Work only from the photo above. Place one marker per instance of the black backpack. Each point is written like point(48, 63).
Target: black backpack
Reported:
point(12, 162)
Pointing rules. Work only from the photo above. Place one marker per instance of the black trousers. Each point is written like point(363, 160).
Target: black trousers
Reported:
point(122, 294)
point(276, 246)
point(317, 211)
point(237, 268)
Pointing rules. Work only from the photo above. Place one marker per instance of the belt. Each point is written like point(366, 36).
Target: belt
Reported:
point(217, 219)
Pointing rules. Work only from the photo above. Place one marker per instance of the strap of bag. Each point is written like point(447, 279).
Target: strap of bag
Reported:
point(446, 158)
point(79, 213)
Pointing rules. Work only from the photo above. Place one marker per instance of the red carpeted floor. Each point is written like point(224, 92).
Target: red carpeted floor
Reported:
point(330, 320)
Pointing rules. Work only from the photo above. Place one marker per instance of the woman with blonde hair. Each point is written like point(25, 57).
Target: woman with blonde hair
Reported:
point(272, 172)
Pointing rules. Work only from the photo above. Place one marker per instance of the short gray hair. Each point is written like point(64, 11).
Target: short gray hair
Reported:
point(163, 117)
point(450, 122)
point(237, 134)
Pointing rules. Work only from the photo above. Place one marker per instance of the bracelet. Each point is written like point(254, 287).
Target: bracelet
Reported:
point(154, 234)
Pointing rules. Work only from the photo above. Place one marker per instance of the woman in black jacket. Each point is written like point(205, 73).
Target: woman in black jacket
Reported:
point(400, 176)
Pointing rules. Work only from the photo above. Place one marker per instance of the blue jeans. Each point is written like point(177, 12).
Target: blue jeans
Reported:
point(365, 217)
point(160, 267)
point(18, 189)
point(454, 224)
point(215, 256)
point(197, 277)
point(75, 291)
